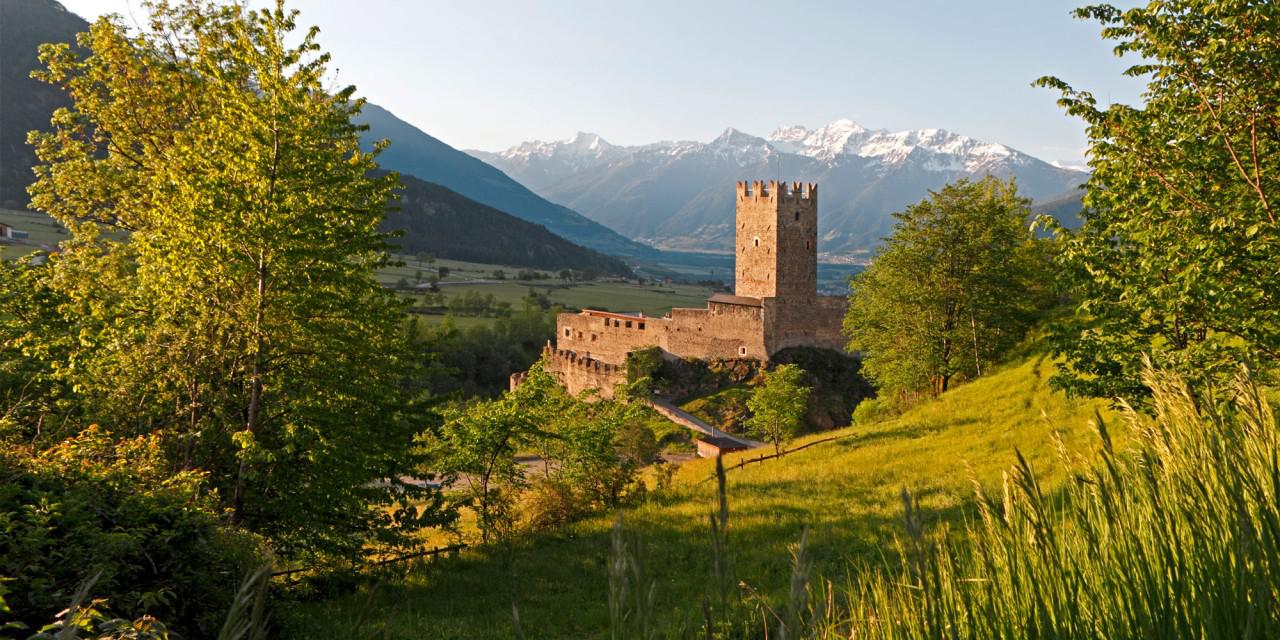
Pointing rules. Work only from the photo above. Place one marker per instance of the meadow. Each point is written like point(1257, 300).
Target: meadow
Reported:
point(847, 492)
point(42, 232)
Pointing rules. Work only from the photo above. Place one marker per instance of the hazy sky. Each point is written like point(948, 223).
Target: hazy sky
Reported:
point(488, 75)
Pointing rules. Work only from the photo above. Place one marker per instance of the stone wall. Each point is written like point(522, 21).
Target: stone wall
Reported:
point(776, 239)
point(577, 373)
point(719, 332)
point(776, 306)
point(607, 336)
point(816, 322)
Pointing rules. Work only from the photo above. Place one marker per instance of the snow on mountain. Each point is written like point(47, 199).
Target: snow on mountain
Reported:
point(678, 195)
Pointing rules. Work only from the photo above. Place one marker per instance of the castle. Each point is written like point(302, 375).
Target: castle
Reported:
point(775, 303)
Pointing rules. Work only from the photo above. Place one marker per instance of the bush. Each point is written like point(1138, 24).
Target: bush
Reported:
point(871, 410)
point(97, 506)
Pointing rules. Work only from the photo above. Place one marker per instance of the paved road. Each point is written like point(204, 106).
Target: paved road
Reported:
point(686, 419)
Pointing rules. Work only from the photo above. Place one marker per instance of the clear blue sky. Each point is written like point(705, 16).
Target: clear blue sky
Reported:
point(488, 75)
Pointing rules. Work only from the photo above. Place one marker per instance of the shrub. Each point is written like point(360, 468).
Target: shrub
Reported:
point(871, 410)
point(94, 505)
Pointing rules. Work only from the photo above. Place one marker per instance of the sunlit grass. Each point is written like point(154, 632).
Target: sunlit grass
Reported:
point(846, 491)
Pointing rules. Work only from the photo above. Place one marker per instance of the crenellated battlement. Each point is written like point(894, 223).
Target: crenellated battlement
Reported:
point(773, 190)
point(574, 359)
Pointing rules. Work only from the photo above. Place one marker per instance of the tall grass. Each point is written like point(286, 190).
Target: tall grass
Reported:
point(1175, 536)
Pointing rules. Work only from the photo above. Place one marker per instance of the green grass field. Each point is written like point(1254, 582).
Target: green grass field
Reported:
point(846, 491)
point(651, 299)
point(42, 232)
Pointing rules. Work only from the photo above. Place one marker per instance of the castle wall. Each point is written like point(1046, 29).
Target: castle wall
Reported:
point(719, 332)
point(828, 320)
point(815, 323)
point(578, 373)
point(607, 336)
point(776, 306)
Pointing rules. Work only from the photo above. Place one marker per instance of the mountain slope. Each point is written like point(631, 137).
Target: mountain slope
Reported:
point(680, 195)
point(446, 224)
point(25, 103)
point(435, 219)
point(414, 152)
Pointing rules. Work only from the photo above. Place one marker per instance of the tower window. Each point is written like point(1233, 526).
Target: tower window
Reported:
point(757, 241)
point(806, 244)
point(566, 333)
point(797, 216)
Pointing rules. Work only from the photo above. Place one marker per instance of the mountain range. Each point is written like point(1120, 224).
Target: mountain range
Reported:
point(474, 213)
point(414, 152)
point(680, 195)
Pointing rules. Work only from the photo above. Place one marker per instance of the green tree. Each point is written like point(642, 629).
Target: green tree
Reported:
point(474, 451)
point(778, 405)
point(220, 271)
point(1178, 250)
point(957, 284)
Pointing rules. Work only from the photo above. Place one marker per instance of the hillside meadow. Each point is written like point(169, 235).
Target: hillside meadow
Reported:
point(846, 491)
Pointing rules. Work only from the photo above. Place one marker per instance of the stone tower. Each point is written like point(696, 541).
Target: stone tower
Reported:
point(777, 241)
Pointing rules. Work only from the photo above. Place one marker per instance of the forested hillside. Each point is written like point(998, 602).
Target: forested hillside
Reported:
point(25, 103)
point(445, 224)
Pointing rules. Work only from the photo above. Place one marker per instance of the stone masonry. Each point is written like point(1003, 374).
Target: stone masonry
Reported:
point(775, 303)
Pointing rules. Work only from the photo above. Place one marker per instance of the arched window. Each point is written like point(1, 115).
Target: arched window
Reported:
point(757, 241)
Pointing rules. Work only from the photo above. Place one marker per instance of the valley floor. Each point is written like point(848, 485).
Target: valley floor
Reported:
point(846, 491)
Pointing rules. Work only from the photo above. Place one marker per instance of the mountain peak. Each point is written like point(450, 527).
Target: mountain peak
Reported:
point(587, 141)
point(736, 137)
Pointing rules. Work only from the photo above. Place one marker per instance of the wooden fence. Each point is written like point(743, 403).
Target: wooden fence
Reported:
point(770, 456)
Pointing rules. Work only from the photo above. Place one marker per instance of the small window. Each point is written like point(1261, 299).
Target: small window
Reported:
point(806, 244)
point(642, 326)
point(566, 333)
point(742, 351)
point(757, 242)
point(606, 322)
point(628, 324)
point(797, 216)
point(593, 337)
point(617, 323)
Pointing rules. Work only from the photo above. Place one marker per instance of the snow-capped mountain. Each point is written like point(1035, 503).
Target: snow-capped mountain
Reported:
point(679, 195)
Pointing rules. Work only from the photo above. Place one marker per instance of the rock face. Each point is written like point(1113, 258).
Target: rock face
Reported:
point(775, 305)
point(674, 194)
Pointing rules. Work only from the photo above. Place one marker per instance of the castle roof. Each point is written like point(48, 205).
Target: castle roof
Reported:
point(742, 301)
point(609, 314)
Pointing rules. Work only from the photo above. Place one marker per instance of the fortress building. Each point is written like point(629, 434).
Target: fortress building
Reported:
point(775, 304)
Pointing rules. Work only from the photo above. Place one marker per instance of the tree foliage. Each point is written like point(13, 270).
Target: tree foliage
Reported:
point(218, 286)
point(778, 405)
point(1178, 251)
point(958, 283)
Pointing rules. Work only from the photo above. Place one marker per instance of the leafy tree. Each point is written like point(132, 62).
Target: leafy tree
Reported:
point(1178, 250)
point(475, 451)
point(956, 285)
point(220, 272)
point(778, 405)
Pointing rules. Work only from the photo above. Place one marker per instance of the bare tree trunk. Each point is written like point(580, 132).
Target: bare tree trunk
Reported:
point(255, 388)
point(973, 325)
